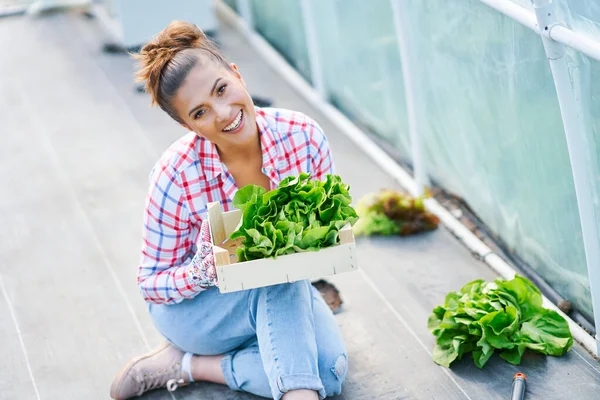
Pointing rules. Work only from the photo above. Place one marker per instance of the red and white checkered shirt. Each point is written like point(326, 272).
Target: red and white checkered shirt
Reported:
point(189, 175)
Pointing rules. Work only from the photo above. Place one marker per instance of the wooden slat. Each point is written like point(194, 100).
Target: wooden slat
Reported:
point(231, 220)
point(288, 268)
point(215, 219)
point(346, 235)
point(221, 256)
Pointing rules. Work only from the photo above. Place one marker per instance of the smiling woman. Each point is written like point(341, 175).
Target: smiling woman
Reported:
point(279, 341)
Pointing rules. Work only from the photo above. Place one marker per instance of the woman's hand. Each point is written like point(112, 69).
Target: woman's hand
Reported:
point(202, 269)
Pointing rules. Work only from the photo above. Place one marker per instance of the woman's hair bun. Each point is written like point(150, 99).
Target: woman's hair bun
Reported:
point(160, 51)
point(177, 36)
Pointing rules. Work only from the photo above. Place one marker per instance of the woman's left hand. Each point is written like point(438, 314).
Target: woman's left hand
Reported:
point(202, 267)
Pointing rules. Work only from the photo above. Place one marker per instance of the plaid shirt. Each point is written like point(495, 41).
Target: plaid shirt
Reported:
point(190, 175)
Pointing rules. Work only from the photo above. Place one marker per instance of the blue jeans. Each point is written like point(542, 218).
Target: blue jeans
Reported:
point(274, 339)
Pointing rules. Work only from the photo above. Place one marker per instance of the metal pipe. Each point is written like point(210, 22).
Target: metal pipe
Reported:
point(312, 44)
point(514, 11)
point(577, 41)
point(410, 75)
point(588, 46)
point(576, 144)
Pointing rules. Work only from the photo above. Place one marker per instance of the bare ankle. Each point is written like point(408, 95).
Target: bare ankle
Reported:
point(302, 394)
point(208, 369)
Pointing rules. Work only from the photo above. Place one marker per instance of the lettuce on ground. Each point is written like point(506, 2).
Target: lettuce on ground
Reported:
point(503, 316)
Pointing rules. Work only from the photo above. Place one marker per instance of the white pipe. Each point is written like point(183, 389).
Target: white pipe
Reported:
point(385, 162)
point(514, 11)
point(462, 233)
point(576, 41)
point(575, 134)
point(409, 75)
point(559, 33)
point(312, 43)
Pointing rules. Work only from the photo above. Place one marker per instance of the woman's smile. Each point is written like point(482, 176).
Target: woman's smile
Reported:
point(236, 125)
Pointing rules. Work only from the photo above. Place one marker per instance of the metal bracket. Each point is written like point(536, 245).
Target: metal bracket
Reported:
point(546, 17)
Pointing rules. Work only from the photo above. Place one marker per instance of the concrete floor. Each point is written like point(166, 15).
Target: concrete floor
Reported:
point(76, 146)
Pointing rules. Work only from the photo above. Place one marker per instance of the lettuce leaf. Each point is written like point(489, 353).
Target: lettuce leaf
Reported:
point(505, 316)
point(300, 215)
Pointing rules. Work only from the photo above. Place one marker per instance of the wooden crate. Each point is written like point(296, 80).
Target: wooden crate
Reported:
point(234, 276)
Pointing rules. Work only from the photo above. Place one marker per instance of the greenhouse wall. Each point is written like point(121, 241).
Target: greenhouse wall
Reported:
point(487, 110)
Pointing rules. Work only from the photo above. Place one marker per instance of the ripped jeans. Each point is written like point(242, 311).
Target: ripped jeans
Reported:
point(275, 339)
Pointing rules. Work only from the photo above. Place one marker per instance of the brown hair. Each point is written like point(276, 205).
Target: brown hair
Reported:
point(168, 58)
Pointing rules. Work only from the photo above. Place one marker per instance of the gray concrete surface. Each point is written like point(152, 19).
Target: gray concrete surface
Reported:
point(76, 146)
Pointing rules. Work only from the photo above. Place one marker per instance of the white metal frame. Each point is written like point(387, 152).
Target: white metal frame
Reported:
point(554, 38)
point(525, 17)
point(556, 32)
point(576, 143)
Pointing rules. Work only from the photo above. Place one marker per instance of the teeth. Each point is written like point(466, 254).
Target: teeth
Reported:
point(235, 123)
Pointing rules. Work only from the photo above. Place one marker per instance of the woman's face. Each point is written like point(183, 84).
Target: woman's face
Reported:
point(214, 103)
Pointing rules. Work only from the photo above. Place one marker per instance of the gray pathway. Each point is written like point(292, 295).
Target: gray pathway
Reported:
point(76, 146)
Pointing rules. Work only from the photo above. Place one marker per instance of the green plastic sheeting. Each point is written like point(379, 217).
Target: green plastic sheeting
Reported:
point(493, 135)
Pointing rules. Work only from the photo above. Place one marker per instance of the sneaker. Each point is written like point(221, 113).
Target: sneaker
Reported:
point(159, 368)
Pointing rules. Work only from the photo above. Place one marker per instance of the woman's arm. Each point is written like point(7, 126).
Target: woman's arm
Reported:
point(163, 278)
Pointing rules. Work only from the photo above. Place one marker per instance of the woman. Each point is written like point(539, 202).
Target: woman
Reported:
point(279, 341)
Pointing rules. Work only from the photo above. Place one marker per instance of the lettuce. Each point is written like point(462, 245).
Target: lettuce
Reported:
point(503, 316)
point(300, 215)
point(390, 212)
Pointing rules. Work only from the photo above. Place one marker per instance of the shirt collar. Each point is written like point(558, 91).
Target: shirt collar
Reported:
point(211, 163)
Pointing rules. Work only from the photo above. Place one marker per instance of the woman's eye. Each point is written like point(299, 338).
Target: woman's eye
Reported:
point(222, 89)
point(199, 114)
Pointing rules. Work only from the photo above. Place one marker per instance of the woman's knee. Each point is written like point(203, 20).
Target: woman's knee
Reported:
point(303, 286)
point(333, 373)
point(298, 292)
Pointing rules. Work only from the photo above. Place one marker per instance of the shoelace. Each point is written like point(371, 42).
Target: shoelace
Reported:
point(153, 381)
